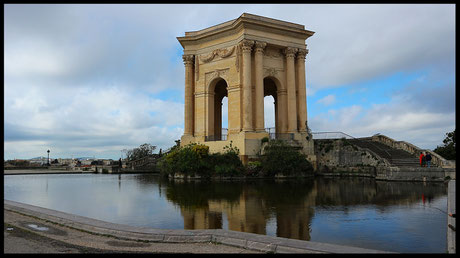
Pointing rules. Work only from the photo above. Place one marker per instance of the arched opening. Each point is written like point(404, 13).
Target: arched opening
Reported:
point(270, 107)
point(269, 112)
point(217, 132)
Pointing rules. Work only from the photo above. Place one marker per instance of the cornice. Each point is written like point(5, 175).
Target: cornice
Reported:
point(247, 21)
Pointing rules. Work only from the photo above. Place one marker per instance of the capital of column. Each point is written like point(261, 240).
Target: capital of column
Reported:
point(290, 51)
point(259, 46)
point(246, 45)
point(302, 53)
point(188, 59)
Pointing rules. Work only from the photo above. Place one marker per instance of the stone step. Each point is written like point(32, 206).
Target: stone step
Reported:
point(405, 162)
point(396, 157)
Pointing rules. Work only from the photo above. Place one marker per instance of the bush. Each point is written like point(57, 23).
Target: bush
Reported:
point(188, 160)
point(253, 168)
point(265, 139)
point(447, 150)
point(282, 159)
point(228, 163)
point(194, 159)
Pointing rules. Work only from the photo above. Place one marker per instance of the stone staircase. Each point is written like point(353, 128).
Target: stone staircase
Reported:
point(143, 164)
point(396, 157)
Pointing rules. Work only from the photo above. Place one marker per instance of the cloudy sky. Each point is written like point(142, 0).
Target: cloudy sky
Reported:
point(92, 80)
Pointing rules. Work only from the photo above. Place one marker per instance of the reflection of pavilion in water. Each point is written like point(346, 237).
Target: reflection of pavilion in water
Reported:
point(251, 212)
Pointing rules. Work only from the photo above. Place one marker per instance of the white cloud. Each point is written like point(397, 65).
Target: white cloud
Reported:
point(86, 78)
point(397, 120)
point(106, 119)
point(328, 100)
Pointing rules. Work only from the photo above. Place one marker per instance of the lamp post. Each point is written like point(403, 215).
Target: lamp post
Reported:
point(48, 157)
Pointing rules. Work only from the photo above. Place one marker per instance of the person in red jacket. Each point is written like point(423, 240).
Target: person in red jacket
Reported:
point(421, 159)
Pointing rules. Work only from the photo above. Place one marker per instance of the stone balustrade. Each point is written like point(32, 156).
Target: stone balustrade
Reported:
point(402, 145)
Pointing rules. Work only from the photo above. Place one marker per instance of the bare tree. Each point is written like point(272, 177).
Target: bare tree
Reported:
point(143, 151)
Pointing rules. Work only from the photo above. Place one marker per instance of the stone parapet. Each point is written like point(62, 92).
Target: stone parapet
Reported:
point(422, 174)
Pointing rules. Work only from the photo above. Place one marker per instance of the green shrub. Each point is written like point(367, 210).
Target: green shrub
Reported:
point(228, 163)
point(253, 168)
point(280, 158)
point(265, 139)
point(230, 149)
point(194, 159)
point(189, 160)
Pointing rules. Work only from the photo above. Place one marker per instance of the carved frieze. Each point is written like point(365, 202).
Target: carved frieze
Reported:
point(209, 76)
point(272, 52)
point(271, 71)
point(226, 52)
point(222, 53)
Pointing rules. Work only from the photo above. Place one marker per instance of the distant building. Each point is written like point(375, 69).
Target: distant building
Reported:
point(38, 161)
point(86, 162)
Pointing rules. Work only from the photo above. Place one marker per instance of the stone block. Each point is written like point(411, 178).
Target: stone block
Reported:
point(260, 246)
point(230, 241)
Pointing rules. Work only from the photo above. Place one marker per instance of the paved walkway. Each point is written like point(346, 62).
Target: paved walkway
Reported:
point(25, 234)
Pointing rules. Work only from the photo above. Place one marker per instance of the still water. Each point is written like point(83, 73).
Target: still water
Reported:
point(408, 217)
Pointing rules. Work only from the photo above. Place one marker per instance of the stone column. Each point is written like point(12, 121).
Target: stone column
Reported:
point(290, 87)
point(282, 110)
point(246, 47)
point(188, 107)
point(259, 98)
point(301, 90)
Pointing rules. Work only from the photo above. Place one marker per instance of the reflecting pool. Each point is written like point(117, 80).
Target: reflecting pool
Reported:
point(408, 217)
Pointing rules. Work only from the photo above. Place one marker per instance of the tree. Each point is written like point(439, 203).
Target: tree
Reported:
point(19, 163)
point(447, 150)
point(143, 151)
point(280, 158)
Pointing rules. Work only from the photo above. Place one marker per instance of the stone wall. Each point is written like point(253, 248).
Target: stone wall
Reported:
point(340, 156)
point(415, 174)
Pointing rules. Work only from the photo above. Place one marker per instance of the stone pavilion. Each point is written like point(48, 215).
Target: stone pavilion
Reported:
point(246, 59)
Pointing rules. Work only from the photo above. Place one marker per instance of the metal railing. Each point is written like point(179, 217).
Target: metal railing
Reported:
point(221, 137)
point(278, 136)
point(212, 138)
point(330, 135)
